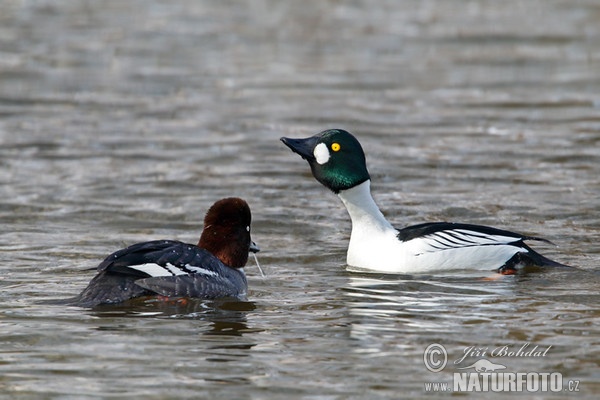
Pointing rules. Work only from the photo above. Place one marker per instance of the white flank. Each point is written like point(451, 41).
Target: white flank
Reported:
point(321, 153)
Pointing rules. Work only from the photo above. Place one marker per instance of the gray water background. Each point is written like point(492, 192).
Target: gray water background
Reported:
point(123, 122)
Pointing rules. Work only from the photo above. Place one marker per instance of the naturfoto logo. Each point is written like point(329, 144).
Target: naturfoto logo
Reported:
point(489, 375)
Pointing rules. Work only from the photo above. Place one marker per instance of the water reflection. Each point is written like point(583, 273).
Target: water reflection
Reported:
point(226, 317)
point(405, 304)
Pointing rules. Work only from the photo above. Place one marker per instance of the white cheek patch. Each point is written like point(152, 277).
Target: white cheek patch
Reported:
point(321, 153)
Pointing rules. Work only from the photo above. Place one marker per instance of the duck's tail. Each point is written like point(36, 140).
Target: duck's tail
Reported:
point(529, 260)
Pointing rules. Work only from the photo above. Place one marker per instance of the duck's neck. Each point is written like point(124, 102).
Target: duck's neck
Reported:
point(364, 213)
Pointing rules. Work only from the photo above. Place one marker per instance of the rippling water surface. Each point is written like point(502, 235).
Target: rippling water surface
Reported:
point(123, 121)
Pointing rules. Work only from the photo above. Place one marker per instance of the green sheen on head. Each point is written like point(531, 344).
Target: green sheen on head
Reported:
point(336, 158)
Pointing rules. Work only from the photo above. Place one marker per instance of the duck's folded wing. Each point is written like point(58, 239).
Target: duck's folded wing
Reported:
point(440, 236)
point(157, 258)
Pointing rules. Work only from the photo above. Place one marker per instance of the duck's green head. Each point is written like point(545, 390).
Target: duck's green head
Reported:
point(336, 158)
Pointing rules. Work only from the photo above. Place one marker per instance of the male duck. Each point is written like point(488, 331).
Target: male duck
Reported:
point(337, 160)
point(212, 269)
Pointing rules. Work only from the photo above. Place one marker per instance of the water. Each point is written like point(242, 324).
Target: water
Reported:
point(123, 122)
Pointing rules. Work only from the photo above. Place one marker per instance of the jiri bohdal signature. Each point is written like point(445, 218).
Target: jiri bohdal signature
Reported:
point(525, 350)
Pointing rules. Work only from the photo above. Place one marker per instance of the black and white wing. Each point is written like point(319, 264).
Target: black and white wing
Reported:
point(156, 258)
point(438, 237)
point(165, 267)
point(173, 268)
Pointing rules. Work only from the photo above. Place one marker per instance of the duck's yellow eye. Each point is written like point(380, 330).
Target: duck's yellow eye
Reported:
point(335, 147)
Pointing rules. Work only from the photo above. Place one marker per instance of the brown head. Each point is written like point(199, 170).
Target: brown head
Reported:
point(226, 232)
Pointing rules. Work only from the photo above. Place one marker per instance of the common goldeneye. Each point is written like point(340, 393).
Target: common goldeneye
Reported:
point(209, 270)
point(337, 160)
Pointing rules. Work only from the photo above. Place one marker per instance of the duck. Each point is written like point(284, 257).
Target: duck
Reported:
point(214, 268)
point(338, 162)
